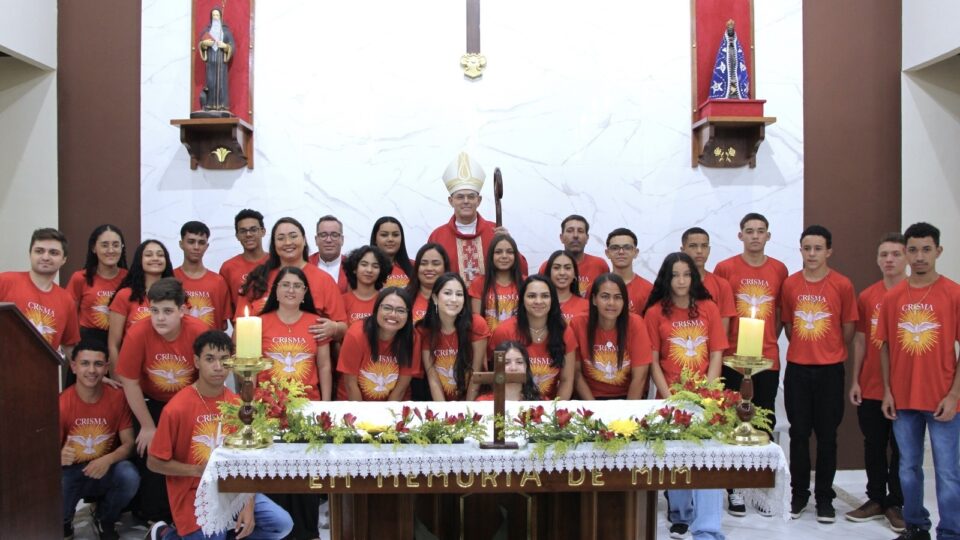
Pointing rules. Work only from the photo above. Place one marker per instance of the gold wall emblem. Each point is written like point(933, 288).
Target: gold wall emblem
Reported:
point(473, 64)
point(221, 154)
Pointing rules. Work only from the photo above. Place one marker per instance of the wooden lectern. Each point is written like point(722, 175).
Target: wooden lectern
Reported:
point(30, 498)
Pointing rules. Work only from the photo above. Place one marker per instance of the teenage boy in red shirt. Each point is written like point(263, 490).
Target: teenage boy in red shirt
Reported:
point(249, 229)
point(208, 297)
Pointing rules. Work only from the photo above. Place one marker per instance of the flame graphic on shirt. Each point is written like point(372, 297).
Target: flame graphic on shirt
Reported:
point(202, 308)
point(444, 365)
point(545, 376)
point(170, 375)
point(688, 347)
point(756, 297)
point(604, 369)
point(45, 323)
point(204, 440)
point(90, 441)
point(398, 279)
point(100, 312)
point(873, 328)
point(498, 312)
point(377, 379)
point(811, 320)
point(290, 361)
point(917, 331)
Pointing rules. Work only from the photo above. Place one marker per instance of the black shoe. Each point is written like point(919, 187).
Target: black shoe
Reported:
point(107, 531)
point(67, 531)
point(826, 513)
point(913, 533)
point(797, 507)
point(678, 531)
point(735, 504)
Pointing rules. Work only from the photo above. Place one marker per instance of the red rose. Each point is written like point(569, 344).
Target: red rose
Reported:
point(405, 414)
point(429, 415)
point(477, 417)
point(666, 412)
point(325, 421)
point(402, 427)
point(585, 413)
point(607, 434)
point(349, 419)
point(563, 417)
point(536, 414)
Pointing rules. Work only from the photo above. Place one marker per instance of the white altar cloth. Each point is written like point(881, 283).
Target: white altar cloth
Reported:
point(215, 510)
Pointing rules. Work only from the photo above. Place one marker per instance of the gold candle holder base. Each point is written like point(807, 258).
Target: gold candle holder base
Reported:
point(745, 434)
point(247, 438)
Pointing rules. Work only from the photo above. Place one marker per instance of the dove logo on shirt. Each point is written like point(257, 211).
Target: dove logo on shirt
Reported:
point(918, 329)
point(811, 318)
point(90, 438)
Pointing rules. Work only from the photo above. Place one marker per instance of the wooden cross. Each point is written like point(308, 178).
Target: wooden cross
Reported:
point(498, 378)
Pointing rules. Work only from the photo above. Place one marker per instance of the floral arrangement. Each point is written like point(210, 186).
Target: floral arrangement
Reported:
point(696, 410)
point(273, 402)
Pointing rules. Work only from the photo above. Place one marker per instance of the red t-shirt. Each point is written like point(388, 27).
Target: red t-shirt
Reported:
point(500, 308)
point(162, 367)
point(93, 301)
point(719, 289)
point(293, 350)
point(757, 287)
point(325, 293)
point(93, 429)
point(545, 375)
point(817, 312)
point(53, 313)
point(375, 378)
point(397, 277)
point(575, 305)
point(341, 279)
point(357, 310)
point(638, 291)
point(599, 368)
point(234, 271)
point(588, 270)
point(188, 431)
point(921, 327)
point(420, 304)
point(445, 354)
point(208, 298)
point(133, 311)
point(684, 342)
point(868, 307)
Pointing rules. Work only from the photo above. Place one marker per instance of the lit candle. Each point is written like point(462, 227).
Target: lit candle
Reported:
point(750, 336)
point(249, 334)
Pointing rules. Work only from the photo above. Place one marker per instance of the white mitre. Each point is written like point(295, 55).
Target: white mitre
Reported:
point(464, 173)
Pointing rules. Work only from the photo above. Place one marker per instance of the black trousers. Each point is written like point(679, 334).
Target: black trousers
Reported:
point(765, 387)
point(813, 397)
point(883, 473)
point(150, 502)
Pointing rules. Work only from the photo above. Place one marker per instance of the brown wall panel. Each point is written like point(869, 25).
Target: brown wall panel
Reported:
point(851, 91)
point(98, 84)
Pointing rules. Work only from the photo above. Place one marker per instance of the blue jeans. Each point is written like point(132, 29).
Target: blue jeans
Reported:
point(945, 442)
point(115, 489)
point(270, 523)
point(702, 509)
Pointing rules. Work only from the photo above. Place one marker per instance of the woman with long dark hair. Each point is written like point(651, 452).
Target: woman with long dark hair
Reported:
point(562, 270)
point(684, 324)
point(94, 285)
point(377, 357)
point(431, 263)
point(387, 234)
point(453, 341)
point(286, 319)
point(539, 326)
point(613, 350)
point(495, 295)
point(366, 269)
point(151, 262)
point(516, 360)
point(288, 247)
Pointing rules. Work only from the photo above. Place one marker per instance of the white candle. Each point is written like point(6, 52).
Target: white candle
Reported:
point(249, 335)
point(750, 336)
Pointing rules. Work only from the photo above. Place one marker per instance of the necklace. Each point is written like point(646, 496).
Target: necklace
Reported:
point(219, 437)
point(537, 334)
point(823, 283)
point(922, 298)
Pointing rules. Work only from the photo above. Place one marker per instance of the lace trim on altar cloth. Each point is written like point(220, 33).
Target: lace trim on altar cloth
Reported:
point(215, 511)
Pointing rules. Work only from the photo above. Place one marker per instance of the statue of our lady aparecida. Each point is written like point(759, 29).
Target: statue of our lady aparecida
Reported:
point(731, 79)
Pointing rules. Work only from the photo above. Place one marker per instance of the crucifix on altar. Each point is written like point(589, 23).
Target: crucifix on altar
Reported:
point(498, 378)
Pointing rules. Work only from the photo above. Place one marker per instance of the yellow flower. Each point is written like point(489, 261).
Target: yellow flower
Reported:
point(623, 427)
point(370, 427)
point(708, 402)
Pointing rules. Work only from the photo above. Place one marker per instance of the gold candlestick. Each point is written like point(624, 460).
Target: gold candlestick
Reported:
point(247, 438)
point(745, 434)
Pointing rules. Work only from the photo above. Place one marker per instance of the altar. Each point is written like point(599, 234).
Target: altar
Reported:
point(457, 491)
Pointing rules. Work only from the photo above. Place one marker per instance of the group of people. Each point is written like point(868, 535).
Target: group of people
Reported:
point(375, 325)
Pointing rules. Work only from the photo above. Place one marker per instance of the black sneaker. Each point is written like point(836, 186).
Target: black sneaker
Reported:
point(913, 533)
point(156, 531)
point(735, 504)
point(797, 507)
point(678, 531)
point(67, 531)
point(107, 531)
point(826, 513)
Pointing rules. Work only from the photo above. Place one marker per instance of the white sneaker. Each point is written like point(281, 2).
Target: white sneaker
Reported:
point(762, 509)
point(155, 530)
point(735, 504)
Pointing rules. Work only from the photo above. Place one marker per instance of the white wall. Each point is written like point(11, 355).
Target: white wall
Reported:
point(28, 31)
point(929, 31)
point(931, 154)
point(360, 105)
point(28, 157)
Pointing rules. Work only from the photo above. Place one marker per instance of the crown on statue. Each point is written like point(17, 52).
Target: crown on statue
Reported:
point(464, 173)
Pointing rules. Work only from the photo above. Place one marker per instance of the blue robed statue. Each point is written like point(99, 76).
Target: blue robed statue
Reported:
point(731, 79)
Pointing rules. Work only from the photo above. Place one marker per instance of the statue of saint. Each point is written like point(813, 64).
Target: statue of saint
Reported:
point(216, 50)
point(731, 79)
